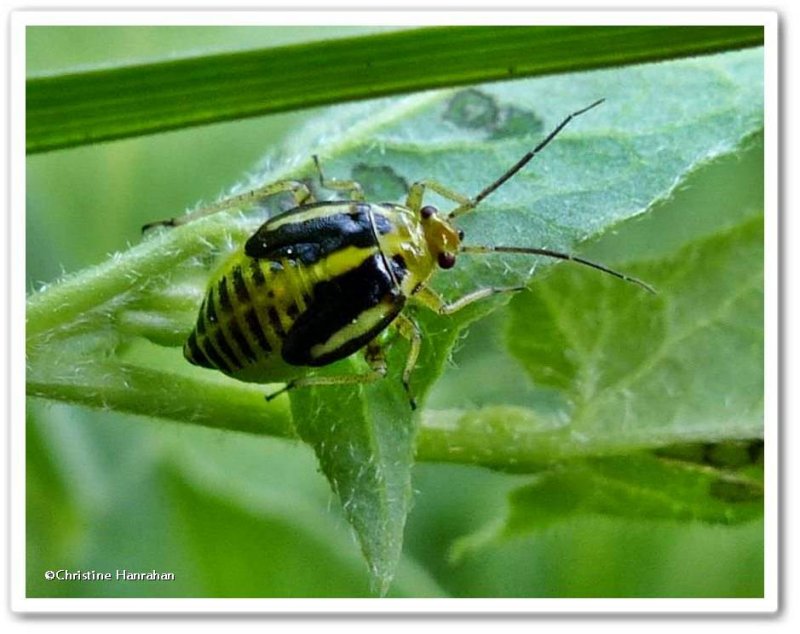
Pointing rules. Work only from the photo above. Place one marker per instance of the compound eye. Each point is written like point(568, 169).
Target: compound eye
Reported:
point(427, 211)
point(461, 234)
point(447, 260)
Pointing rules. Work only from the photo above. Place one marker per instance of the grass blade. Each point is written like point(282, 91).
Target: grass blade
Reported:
point(76, 109)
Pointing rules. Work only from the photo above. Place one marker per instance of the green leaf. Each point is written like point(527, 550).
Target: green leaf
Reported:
point(685, 364)
point(718, 484)
point(75, 109)
point(636, 487)
point(364, 440)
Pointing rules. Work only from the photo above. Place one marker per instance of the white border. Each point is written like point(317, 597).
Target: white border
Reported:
point(382, 18)
point(19, 602)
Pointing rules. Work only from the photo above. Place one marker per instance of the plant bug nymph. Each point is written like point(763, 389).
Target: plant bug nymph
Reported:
point(323, 280)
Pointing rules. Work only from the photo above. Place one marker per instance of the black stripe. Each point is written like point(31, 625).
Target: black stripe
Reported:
point(201, 323)
point(257, 273)
point(241, 341)
point(399, 267)
point(224, 296)
point(311, 240)
point(240, 286)
point(211, 312)
point(255, 327)
point(215, 357)
point(195, 355)
point(226, 349)
point(337, 303)
point(275, 321)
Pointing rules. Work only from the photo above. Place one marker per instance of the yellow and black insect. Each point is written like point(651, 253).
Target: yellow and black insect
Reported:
point(323, 280)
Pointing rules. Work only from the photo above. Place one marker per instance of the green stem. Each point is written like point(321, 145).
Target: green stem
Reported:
point(508, 438)
point(517, 439)
point(72, 300)
point(146, 392)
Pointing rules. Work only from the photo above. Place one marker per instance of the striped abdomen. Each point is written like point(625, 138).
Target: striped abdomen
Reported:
point(244, 317)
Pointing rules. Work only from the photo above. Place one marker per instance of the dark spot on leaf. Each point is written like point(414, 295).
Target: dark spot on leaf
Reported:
point(516, 122)
point(472, 109)
point(380, 182)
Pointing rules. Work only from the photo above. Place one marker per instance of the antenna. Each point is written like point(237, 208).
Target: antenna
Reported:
point(560, 256)
point(462, 209)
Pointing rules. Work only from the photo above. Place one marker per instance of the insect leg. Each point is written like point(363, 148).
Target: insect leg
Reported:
point(299, 191)
point(353, 187)
point(377, 363)
point(417, 191)
point(432, 300)
point(409, 330)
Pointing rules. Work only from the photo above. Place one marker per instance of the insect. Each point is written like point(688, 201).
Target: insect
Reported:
point(319, 282)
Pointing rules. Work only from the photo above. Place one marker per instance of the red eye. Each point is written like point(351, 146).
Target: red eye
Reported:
point(447, 260)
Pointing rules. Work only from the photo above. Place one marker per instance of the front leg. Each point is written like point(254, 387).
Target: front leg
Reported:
point(435, 302)
point(417, 191)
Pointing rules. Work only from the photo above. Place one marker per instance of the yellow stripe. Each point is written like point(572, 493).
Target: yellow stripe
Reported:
point(366, 320)
point(310, 214)
point(340, 262)
point(328, 209)
point(297, 285)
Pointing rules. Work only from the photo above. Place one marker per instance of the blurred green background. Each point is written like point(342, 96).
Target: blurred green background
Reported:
point(242, 516)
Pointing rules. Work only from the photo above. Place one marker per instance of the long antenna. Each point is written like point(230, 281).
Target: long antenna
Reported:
point(462, 209)
point(560, 256)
